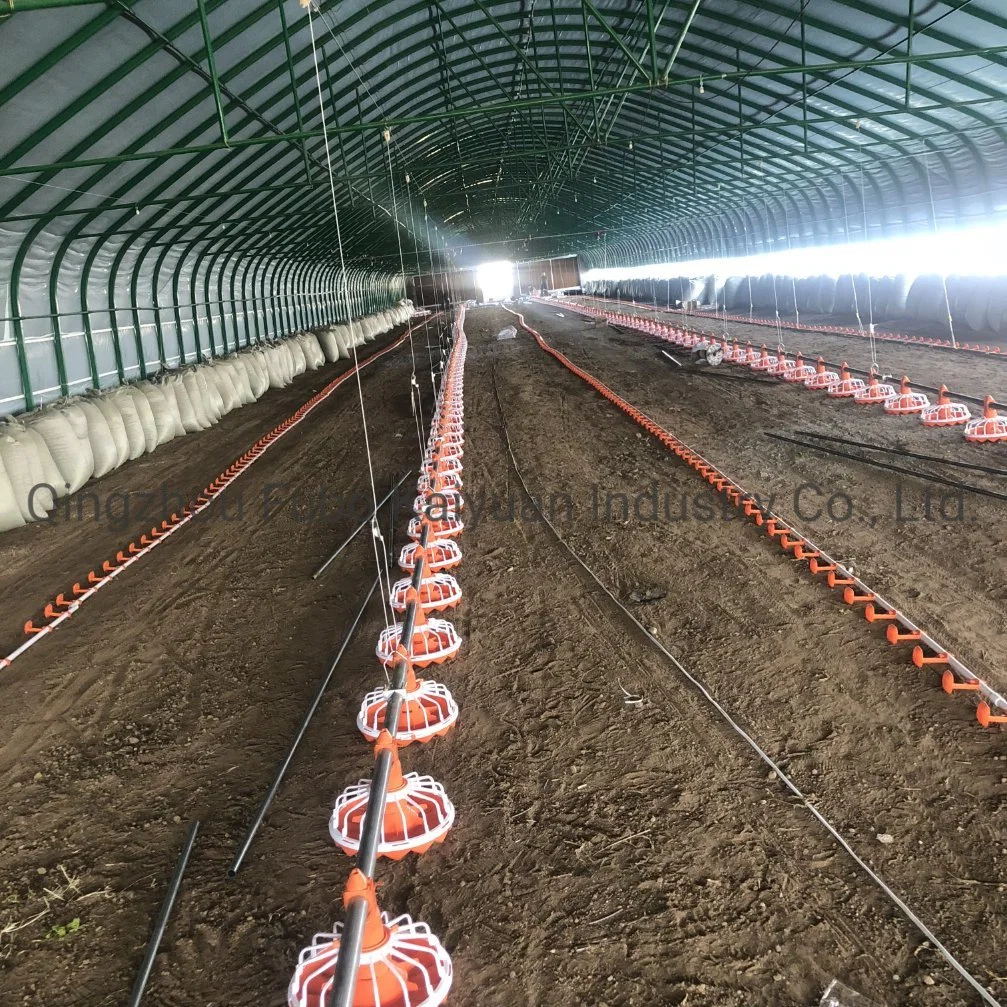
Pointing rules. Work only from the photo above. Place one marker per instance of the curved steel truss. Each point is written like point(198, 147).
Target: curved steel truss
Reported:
point(163, 162)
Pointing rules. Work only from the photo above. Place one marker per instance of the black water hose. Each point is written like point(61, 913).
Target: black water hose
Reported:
point(973, 466)
point(161, 924)
point(876, 463)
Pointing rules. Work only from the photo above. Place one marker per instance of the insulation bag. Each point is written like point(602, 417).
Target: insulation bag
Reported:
point(116, 427)
point(197, 396)
point(122, 401)
point(68, 444)
point(103, 449)
point(146, 416)
point(164, 411)
point(329, 344)
point(296, 351)
point(21, 461)
point(221, 381)
point(10, 513)
point(187, 414)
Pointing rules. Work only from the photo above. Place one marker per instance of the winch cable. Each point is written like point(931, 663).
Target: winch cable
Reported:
point(725, 715)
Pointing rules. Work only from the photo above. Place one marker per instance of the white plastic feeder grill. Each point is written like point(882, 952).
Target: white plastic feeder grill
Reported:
point(906, 402)
point(402, 964)
point(436, 593)
point(441, 480)
point(443, 464)
point(417, 813)
point(820, 378)
point(989, 428)
point(765, 361)
point(798, 372)
point(944, 412)
point(875, 392)
point(428, 711)
point(449, 527)
point(846, 387)
point(440, 554)
point(438, 504)
point(434, 642)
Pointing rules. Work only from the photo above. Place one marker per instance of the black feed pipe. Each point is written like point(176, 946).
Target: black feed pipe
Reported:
point(253, 828)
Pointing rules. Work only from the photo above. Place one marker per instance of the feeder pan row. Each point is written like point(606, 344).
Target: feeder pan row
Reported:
point(957, 677)
point(767, 322)
point(901, 401)
point(401, 963)
point(992, 708)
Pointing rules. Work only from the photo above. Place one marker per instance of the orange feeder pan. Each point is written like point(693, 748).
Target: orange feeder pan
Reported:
point(434, 641)
point(990, 428)
point(428, 711)
point(875, 392)
point(436, 593)
point(906, 402)
point(820, 378)
point(846, 387)
point(417, 812)
point(945, 413)
point(402, 964)
point(440, 554)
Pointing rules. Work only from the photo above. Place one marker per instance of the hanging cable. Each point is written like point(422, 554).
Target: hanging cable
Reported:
point(933, 217)
point(846, 226)
point(380, 552)
point(870, 292)
point(415, 398)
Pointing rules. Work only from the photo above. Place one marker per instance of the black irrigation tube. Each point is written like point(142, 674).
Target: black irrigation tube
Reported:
point(344, 981)
point(253, 828)
point(925, 476)
point(161, 924)
point(973, 466)
point(726, 716)
point(360, 527)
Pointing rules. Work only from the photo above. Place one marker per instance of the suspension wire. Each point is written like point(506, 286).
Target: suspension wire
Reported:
point(790, 248)
point(933, 217)
point(744, 224)
point(377, 539)
point(870, 292)
point(419, 268)
point(776, 300)
point(414, 388)
point(846, 225)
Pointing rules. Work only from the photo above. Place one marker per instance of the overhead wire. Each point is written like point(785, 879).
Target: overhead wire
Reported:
point(380, 550)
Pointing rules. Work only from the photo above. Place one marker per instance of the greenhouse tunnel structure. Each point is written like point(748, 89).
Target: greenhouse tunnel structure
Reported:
point(164, 185)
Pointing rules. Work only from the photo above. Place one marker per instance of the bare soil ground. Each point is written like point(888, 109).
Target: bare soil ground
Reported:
point(606, 852)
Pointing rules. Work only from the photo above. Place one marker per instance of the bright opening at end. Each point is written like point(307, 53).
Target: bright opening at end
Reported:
point(496, 280)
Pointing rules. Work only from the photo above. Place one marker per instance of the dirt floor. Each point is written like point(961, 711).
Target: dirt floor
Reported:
point(607, 851)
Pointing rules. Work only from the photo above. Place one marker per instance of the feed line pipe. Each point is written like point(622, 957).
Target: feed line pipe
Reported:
point(344, 981)
point(161, 924)
point(360, 527)
point(253, 828)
